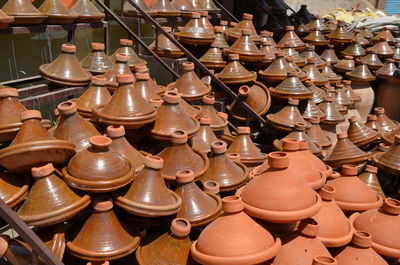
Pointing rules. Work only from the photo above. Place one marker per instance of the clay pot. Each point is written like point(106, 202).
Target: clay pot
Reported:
point(97, 62)
point(291, 87)
point(316, 38)
point(227, 171)
point(219, 37)
point(245, 47)
point(332, 77)
point(329, 55)
point(198, 207)
point(352, 194)
point(53, 237)
point(121, 146)
point(350, 93)
point(361, 73)
point(23, 12)
point(396, 55)
point(359, 37)
point(148, 196)
point(66, 69)
point(171, 117)
point(317, 135)
point(194, 32)
point(234, 33)
point(332, 115)
point(389, 160)
point(383, 120)
point(366, 32)
point(372, 122)
point(235, 73)
point(120, 67)
point(13, 188)
point(340, 35)
point(204, 137)
point(57, 12)
point(98, 168)
point(291, 37)
point(266, 35)
point(209, 6)
point(126, 107)
point(269, 52)
point(312, 110)
point(163, 8)
point(286, 118)
point(126, 49)
point(34, 145)
point(143, 69)
point(387, 70)
point(189, 84)
point(72, 127)
point(313, 73)
point(369, 177)
point(61, 202)
point(317, 23)
point(110, 242)
point(360, 134)
point(382, 49)
point(5, 20)
point(310, 52)
point(213, 58)
point(171, 247)
point(165, 47)
point(264, 198)
point(341, 96)
point(179, 156)
point(314, 161)
point(183, 5)
point(345, 65)
point(204, 19)
point(278, 69)
point(217, 245)
point(372, 60)
point(318, 93)
point(87, 11)
point(355, 50)
point(385, 34)
point(250, 155)
point(383, 225)
point(335, 230)
point(300, 247)
point(218, 123)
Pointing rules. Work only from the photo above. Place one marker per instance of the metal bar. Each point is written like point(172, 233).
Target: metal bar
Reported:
point(198, 63)
point(22, 80)
point(28, 235)
point(137, 38)
point(226, 10)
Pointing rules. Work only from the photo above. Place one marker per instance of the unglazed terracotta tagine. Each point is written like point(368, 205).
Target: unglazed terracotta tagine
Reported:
point(329, 55)
point(335, 230)
point(98, 168)
point(340, 35)
point(332, 115)
point(165, 47)
point(5, 20)
point(189, 84)
point(317, 135)
point(66, 69)
point(148, 196)
point(278, 195)
point(171, 117)
point(198, 207)
point(228, 173)
point(278, 69)
point(300, 247)
point(72, 127)
point(57, 12)
point(126, 106)
point(97, 62)
point(389, 161)
point(13, 188)
point(313, 73)
point(120, 145)
point(61, 202)
point(87, 12)
point(250, 155)
point(285, 119)
point(172, 247)
point(360, 134)
point(218, 123)
point(359, 252)
point(180, 156)
point(246, 48)
point(109, 243)
point(345, 65)
point(217, 243)
point(120, 67)
point(204, 137)
point(345, 152)
point(384, 121)
point(235, 73)
point(372, 60)
point(352, 194)
point(369, 177)
point(23, 12)
point(213, 58)
point(291, 37)
point(383, 225)
point(234, 33)
point(126, 48)
point(314, 161)
point(34, 145)
point(291, 87)
point(194, 32)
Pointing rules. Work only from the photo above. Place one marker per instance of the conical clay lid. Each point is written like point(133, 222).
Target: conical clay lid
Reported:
point(61, 202)
point(145, 88)
point(235, 73)
point(234, 33)
point(129, 10)
point(333, 116)
point(316, 38)
point(57, 12)
point(316, 134)
point(194, 32)
point(360, 134)
point(310, 52)
point(204, 137)
point(120, 67)
point(361, 74)
point(372, 60)
point(355, 50)
point(291, 87)
point(166, 47)
point(385, 34)
point(366, 32)
point(369, 177)
point(387, 71)
point(291, 37)
point(163, 8)
point(245, 47)
point(384, 121)
point(213, 58)
point(329, 55)
point(330, 74)
point(286, 118)
point(220, 38)
point(183, 5)
point(13, 189)
point(313, 73)
point(218, 123)
point(126, 48)
point(23, 12)
point(340, 34)
point(278, 69)
point(87, 11)
point(382, 49)
point(97, 62)
point(312, 110)
point(389, 161)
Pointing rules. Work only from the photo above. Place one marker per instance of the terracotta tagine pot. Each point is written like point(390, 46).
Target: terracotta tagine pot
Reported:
point(396, 50)
point(204, 137)
point(369, 177)
point(341, 96)
point(34, 145)
point(165, 47)
point(361, 73)
point(143, 69)
point(61, 202)
point(220, 38)
point(291, 87)
point(148, 195)
point(53, 237)
point(387, 137)
point(72, 127)
point(384, 121)
point(382, 49)
point(172, 247)
point(317, 23)
point(217, 245)
point(98, 168)
point(315, 37)
point(350, 92)
point(235, 73)
point(385, 34)
point(23, 12)
point(389, 161)
point(372, 122)
point(313, 73)
point(204, 19)
point(209, 6)
point(245, 47)
point(285, 119)
point(332, 77)
point(360, 134)
point(180, 156)
point(66, 69)
point(111, 242)
point(126, 107)
point(250, 155)
point(57, 12)
point(13, 188)
point(332, 115)
point(352, 194)
point(269, 52)
point(232, 34)
point(5, 20)
point(121, 146)
point(278, 69)
point(366, 32)
point(291, 37)
point(171, 117)
point(145, 88)
point(340, 35)
point(318, 93)
point(266, 35)
point(317, 135)
point(189, 84)
point(120, 67)
point(97, 62)
point(345, 65)
point(198, 207)
point(310, 52)
point(163, 8)
point(300, 247)
point(227, 172)
point(213, 58)
point(345, 152)
point(329, 55)
point(372, 60)
point(313, 160)
point(218, 123)
point(264, 199)
point(194, 32)
point(359, 37)
point(360, 251)
point(87, 11)
point(126, 48)
point(335, 230)
point(183, 5)
point(383, 225)
point(355, 50)
point(290, 50)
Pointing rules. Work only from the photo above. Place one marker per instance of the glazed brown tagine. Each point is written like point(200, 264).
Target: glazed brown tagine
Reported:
point(372, 60)
point(310, 52)
point(234, 33)
point(204, 137)
point(34, 145)
point(278, 69)
point(286, 118)
point(345, 65)
point(120, 67)
point(313, 73)
point(98, 168)
point(246, 48)
point(317, 135)
point(316, 38)
point(329, 55)
point(369, 177)
point(389, 161)
point(87, 12)
point(382, 49)
point(292, 38)
point(220, 38)
point(384, 121)
point(360, 134)
point(359, 37)
point(148, 195)
point(97, 62)
point(355, 50)
point(126, 48)
point(57, 12)
point(13, 189)
point(218, 122)
point(23, 12)
point(165, 47)
point(194, 32)
point(385, 34)
point(217, 243)
point(147, 89)
point(235, 73)
point(340, 35)
point(333, 116)
point(213, 58)
point(291, 87)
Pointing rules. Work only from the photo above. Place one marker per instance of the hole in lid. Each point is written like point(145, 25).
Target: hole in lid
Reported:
point(363, 234)
point(179, 132)
point(154, 157)
point(211, 183)
point(393, 202)
point(328, 188)
point(181, 223)
point(231, 198)
point(278, 154)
